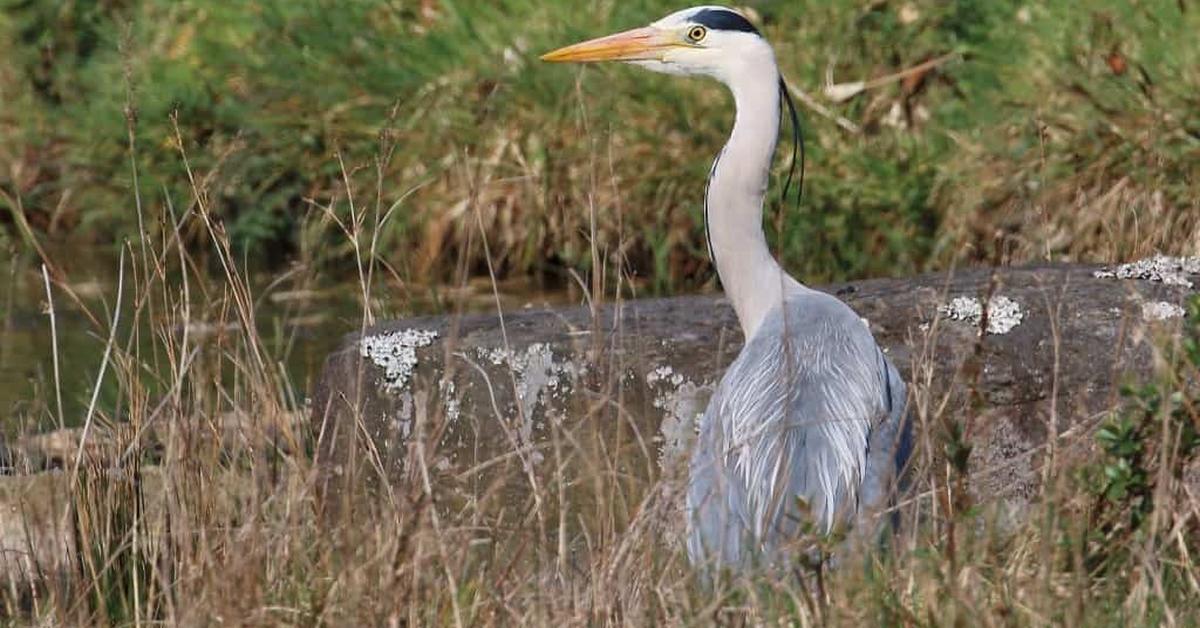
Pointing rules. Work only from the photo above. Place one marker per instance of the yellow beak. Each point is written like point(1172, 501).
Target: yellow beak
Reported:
point(633, 45)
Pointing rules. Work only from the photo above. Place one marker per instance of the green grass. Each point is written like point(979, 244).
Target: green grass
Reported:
point(1066, 130)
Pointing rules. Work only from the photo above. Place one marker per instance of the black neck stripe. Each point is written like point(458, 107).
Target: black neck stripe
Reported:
point(723, 20)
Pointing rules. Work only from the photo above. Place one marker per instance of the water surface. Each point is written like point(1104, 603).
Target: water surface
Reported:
point(300, 320)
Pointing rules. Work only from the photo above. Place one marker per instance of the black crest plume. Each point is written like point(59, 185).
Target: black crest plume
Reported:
point(797, 146)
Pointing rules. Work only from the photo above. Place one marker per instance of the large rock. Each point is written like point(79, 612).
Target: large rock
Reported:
point(484, 388)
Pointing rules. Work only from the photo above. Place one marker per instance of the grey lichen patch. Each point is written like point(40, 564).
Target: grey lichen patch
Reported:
point(404, 417)
point(1004, 314)
point(664, 374)
point(1171, 271)
point(450, 400)
point(536, 369)
point(400, 428)
point(682, 403)
point(396, 353)
point(1161, 311)
point(538, 374)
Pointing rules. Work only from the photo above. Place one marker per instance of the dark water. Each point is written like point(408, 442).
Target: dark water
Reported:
point(299, 321)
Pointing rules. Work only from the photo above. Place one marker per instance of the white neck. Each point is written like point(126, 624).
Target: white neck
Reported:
point(753, 280)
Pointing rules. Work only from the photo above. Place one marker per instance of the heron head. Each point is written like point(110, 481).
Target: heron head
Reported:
point(708, 40)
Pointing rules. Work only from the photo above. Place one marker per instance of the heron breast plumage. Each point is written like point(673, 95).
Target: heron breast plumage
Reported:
point(785, 438)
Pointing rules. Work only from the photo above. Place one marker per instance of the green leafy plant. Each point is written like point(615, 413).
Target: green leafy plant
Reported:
point(1149, 442)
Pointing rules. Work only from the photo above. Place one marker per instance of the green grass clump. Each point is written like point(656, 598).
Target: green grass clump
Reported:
point(1055, 130)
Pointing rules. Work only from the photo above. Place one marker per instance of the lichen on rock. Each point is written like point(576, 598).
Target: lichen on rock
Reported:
point(396, 353)
point(1171, 271)
point(1004, 314)
point(450, 399)
point(682, 403)
point(1161, 311)
point(536, 370)
point(537, 374)
point(664, 374)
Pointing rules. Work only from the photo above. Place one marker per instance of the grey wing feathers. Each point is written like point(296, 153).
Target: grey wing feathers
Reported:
point(785, 438)
point(888, 449)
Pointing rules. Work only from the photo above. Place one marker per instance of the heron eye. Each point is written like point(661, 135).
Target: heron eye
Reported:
point(696, 34)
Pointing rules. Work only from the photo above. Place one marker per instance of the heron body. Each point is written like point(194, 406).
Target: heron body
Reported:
point(807, 426)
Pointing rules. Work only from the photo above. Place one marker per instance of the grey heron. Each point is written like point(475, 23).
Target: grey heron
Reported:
point(807, 428)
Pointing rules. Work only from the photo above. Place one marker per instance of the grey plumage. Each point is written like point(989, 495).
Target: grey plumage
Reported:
point(806, 425)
